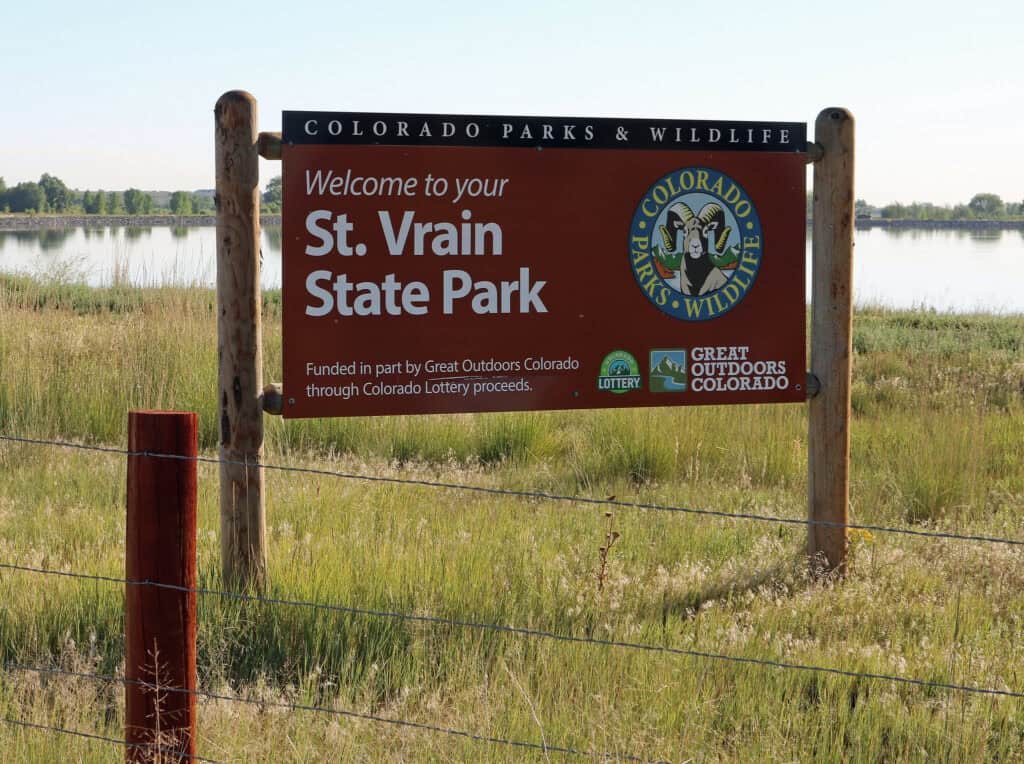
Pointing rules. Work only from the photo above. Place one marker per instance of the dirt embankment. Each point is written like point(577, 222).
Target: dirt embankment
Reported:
point(38, 222)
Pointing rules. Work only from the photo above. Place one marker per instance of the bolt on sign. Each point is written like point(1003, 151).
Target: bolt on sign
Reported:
point(438, 263)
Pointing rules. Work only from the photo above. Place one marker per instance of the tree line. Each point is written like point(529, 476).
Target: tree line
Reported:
point(982, 206)
point(50, 195)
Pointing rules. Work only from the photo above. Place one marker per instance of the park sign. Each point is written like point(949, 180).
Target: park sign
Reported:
point(441, 263)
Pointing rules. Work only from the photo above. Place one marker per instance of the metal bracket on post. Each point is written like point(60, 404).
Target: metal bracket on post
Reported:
point(273, 399)
point(812, 386)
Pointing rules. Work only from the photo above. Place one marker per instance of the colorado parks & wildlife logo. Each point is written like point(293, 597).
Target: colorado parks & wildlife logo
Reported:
point(619, 372)
point(695, 244)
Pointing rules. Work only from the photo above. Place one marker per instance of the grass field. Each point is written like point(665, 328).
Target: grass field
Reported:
point(938, 443)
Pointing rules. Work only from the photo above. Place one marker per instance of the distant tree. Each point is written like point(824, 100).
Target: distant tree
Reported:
point(200, 204)
point(181, 203)
point(58, 196)
point(894, 211)
point(862, 209)
point(927, 211)
point(987, 205)
point(26, 197)
point(88, 203)
point(100, 203)
point(132, 201)
point(115, 203)
point(273, 195)
point(135, 202)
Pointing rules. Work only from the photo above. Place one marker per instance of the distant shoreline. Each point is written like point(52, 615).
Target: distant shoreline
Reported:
point(40, 222)
point(940, 224)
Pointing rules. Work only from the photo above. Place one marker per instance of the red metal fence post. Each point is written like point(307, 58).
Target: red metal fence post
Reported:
point(160, 623)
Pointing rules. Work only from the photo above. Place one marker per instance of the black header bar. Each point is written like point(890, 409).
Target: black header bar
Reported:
point(362, 128)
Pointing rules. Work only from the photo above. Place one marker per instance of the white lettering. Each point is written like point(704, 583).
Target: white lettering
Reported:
point(396, 243)
point(326, 240)
point(314, 289)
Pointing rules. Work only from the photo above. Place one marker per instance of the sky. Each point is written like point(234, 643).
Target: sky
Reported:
point(117, 95)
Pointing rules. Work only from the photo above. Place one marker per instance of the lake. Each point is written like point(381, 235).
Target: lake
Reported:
point(978, 270)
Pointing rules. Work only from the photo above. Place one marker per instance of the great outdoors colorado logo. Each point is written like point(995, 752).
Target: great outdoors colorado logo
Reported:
point(695, 244)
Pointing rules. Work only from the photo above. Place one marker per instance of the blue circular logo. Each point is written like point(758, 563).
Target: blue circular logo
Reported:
point(695, 244)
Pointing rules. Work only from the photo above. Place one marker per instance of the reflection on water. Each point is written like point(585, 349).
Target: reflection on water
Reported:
point(53, 239)
point(984, 235)
point(143, 255)
point(974, 234)
point(134, 233)
point(902, 233)
point(944, 269)
point(272, 238)
point(25, 237)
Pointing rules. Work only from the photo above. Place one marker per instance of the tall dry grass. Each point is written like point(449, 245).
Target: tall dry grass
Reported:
point(937, 443)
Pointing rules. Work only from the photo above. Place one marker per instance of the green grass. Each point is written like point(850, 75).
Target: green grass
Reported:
point(937, 443)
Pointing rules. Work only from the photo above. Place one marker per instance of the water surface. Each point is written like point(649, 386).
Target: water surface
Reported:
point(945, 270)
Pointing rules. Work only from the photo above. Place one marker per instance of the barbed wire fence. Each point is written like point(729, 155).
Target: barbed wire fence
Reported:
point(533, 633)
point(524, 494)
point(148, 747)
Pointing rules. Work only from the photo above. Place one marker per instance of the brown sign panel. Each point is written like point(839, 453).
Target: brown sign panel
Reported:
point(459, 264)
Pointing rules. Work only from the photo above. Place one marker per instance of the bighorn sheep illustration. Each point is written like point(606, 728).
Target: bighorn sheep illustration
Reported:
point(704, 235)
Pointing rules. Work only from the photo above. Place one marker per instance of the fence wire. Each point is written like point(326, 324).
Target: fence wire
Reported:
point(114, 740)
point(527, 632)
point(437, 620)
point(525, 494)
point(264, 704)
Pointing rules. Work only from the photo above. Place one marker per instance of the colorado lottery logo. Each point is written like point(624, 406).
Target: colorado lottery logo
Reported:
point(619, 373)
point(695, 244)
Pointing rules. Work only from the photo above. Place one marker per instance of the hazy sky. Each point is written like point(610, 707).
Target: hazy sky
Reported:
point(112, 95)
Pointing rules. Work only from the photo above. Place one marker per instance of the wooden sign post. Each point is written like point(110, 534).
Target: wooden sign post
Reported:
point(828, 459)
point(243, 525)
